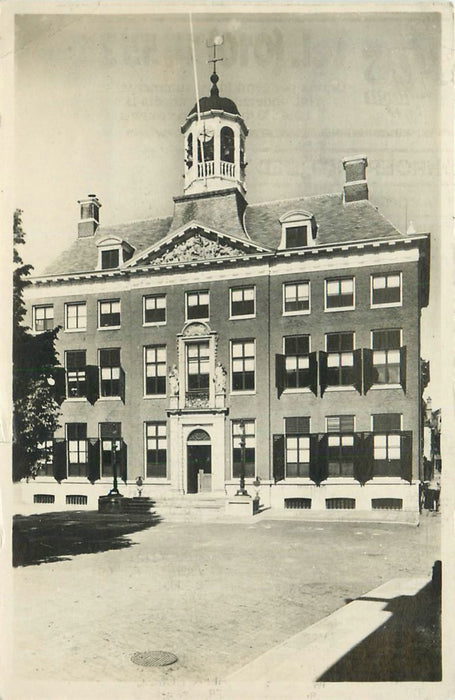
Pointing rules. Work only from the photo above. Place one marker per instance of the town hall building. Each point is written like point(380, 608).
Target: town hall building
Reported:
point(280, 340)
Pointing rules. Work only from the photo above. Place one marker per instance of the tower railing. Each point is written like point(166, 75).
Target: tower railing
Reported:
point(209, 169)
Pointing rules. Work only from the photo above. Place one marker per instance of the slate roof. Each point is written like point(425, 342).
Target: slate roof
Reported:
point(337, 223)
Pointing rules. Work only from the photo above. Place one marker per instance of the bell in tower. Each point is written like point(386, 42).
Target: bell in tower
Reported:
point(214, 134)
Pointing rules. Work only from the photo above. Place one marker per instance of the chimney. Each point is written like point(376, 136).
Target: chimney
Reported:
point(90, 216)
point(355, 188)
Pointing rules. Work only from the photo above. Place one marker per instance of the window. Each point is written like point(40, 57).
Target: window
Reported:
point(296, 236)
point(386, 289)
point(297, 446)
point(76, 316)
point(75, 374)
point(243, 301)
point(110, 372)
point(386, 356)
point(155, 370)
point(296, 298)
point(43, 318)
point(76, 434)
point(340, 359)
point(197, 305)
point(155, 308)
point(198, 367)
point(243, 433)
point(111, 449)
point(243, 365)
point(45, 461)
point(340, 445)
point(339, 293)
point(297, 361)
point(387, 444)
point(227, 144)
point(109, 314)
point(156, 450)
point(110, 259)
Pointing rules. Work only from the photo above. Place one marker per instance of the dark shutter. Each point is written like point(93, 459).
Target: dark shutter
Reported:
point(319, 467)
point(59, 457)
point(123, 461)
point(322, 371)
point(280, 373)
point(93, 383)
point(122, 384)
point(93, 467)
point(368, 370)
point(59, 375)
point(363, 457)
point(110, 431)
point(278, 458)
point(313, 365)
point(357, 370)
point(406, 455)
point(403, 367)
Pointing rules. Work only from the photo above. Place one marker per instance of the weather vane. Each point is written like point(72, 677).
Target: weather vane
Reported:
point(217, 41)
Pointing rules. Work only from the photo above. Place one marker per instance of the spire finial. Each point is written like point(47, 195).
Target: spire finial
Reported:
point(217, 41)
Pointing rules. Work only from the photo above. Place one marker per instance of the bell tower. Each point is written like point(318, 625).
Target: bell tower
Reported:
point(214, 142)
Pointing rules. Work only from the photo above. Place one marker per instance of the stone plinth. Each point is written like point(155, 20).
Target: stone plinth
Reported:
point(240, 505)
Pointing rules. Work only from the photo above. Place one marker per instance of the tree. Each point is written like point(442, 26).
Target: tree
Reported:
point(35, 408)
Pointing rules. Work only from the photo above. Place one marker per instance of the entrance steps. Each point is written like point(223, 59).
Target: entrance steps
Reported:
point(190, 507)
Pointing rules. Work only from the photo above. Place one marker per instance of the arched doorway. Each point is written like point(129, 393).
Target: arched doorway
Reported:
point(199, 461)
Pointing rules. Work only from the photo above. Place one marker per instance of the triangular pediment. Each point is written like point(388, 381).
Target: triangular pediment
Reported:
point(196, 243)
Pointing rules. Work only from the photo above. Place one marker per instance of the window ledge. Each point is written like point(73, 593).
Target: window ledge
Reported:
point(240, 318)
point(108, 328)
point(340, 308)
point(385, 386)
point(339, 388)
point(385, 306)
point(76, 399)
point(154, 324)
point(305, 312)
point(75, 330)
point(155, 396)
point(195, 320)
point(298, 390)
point(247, 392)
point(109, 398)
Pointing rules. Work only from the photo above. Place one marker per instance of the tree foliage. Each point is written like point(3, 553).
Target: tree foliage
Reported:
point(35, 407)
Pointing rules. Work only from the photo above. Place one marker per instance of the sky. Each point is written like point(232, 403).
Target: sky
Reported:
point(100, 98)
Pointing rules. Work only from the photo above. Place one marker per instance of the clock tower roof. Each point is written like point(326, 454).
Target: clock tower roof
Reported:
point(214, 101)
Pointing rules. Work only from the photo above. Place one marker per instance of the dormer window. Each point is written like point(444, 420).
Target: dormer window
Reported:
point(298, 230)
point(113, 252)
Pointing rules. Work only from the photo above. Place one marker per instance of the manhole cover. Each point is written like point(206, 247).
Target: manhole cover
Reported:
point(153, 658)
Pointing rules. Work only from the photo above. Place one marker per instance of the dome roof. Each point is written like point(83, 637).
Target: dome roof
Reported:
point(214, 101)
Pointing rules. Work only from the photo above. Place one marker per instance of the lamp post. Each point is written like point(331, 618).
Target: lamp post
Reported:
point(242, 490)
point(114, 490)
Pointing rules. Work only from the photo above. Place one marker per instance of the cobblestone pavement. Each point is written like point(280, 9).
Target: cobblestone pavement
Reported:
point(216, 595)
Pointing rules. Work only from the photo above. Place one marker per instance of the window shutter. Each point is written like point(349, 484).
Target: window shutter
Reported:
point(313, 362)
point(278, 458)
point(358, 370)
point(280, 373)
point(363, 457)
point(123, 461)
point(59, 375)
point(368, 370)
point(403, 367)
point(318, 458)
point(406, 455)
point(59, 457)
point(92, 383)
point(122, 384)
point(322, 371)
point(93, 467)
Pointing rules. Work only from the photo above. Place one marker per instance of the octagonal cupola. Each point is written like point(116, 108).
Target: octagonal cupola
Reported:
point(214, 144)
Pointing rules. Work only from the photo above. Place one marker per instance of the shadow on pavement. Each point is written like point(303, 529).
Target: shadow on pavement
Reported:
point(405, 648)
point(51, 537)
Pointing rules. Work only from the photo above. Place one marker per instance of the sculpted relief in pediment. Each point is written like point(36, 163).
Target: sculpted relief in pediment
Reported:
point(198, 247)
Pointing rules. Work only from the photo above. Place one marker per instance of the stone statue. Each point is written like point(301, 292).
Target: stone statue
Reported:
point(174, 381)
point(220, 379)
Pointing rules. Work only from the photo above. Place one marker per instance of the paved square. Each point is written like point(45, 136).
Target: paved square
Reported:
point(215, 594)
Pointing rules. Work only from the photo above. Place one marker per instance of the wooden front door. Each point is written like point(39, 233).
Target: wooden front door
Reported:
point(199, 461)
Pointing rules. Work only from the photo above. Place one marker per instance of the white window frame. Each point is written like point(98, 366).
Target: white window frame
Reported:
point(156, 437)
point(340, 279)
point(200, 318)
point(78, 329)
point(154, 323)
point(238, 289)
point(34, 310)
point(155, 346)
point(395, 385)
point(109, 301)
point(239, 392)
point(374, 275)
point(298, 312)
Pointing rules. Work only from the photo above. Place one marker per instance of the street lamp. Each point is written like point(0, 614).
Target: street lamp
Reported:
point(242, 490)
point(114, 490)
